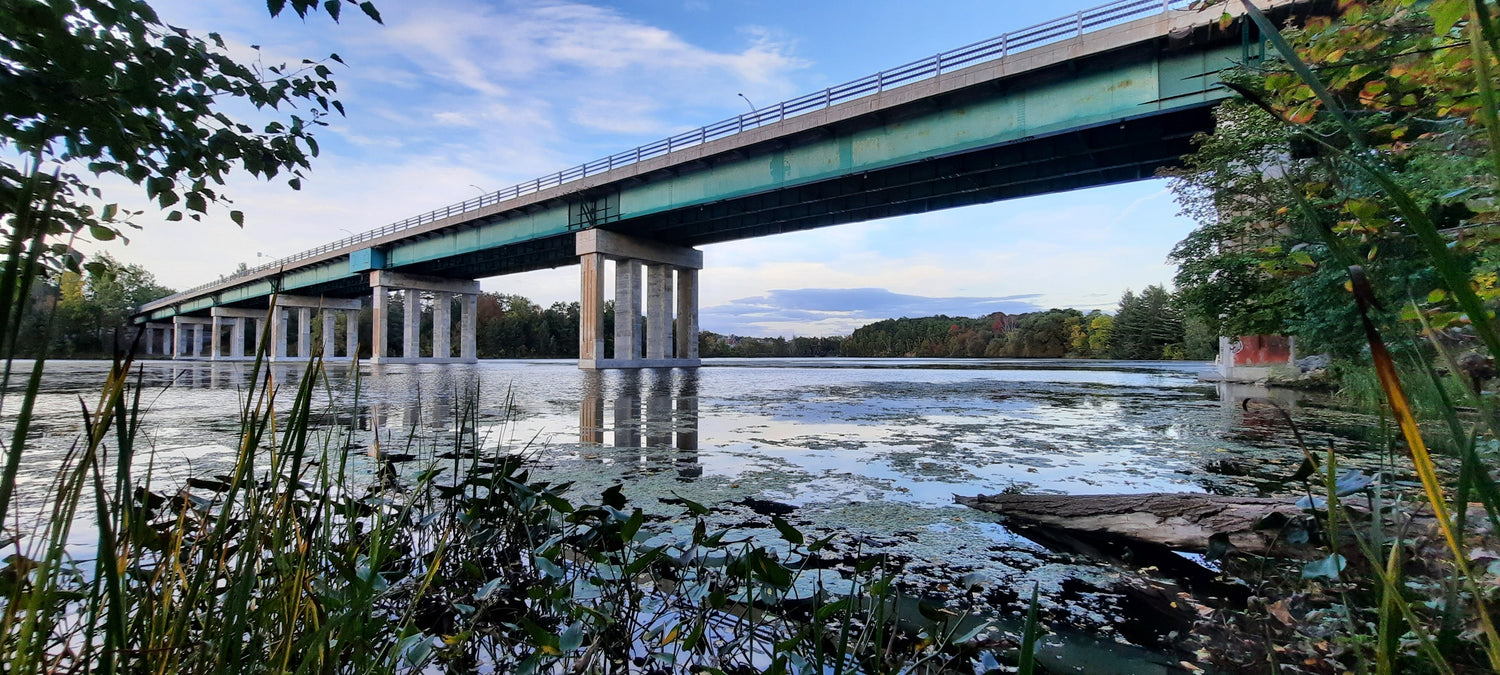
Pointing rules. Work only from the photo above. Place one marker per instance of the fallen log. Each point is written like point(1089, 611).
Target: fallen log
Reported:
point(1179, 521)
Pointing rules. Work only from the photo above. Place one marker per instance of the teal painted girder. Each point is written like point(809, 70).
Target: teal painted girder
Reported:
point(1127, 90)
point(1130, 88)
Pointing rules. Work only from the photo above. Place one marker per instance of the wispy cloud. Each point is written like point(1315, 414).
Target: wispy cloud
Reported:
point(837, 311)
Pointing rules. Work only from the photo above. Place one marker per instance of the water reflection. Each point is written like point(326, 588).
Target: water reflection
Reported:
point(653, 409)
point(1234, 395)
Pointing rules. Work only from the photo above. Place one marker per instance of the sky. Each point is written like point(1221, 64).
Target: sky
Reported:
point(452, 98)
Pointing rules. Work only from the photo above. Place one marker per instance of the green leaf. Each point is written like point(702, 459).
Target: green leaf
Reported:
point(333, 7)
point(693, 507)
point(613, 496)
point(238, 217)
point(632, 526)
point(488, 589)
point(275, 6)
point(571, 638)
point(1327, 568)
point(110, 210)
point(174, 216)
point(788, 532)
point(369, 10)
point(1446, 13)
point(548, 567)
point(418, 653)
point(101, 233)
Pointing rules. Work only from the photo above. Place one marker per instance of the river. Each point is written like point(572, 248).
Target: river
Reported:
point(875, 448)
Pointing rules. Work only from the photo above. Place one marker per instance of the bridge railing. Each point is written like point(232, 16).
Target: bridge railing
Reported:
point(1062, 28)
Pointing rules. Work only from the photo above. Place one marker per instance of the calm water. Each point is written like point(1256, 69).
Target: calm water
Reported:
point(876, 448)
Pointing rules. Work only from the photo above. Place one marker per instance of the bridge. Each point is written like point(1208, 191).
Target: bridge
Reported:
point(1103, 96)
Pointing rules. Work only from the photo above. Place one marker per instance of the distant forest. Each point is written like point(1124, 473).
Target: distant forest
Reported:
point(1148, 325)
point(83, 313)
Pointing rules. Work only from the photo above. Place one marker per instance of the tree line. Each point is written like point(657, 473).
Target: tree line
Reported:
point(88, 311)
point(1148, 325)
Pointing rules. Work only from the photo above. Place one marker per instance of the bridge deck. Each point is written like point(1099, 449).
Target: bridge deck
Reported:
point(1104, 107)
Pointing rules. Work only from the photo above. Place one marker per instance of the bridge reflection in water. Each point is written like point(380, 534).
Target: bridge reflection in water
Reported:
point(653, 409)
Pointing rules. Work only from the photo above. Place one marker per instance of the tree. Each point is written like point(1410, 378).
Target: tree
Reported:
point(1147, 326)
point(1283, 212)
point(104, 87)
point(92, 305)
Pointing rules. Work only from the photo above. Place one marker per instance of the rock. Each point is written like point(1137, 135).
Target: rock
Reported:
point(1316, 362)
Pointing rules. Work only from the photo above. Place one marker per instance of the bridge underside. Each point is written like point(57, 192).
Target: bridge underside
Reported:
point(1118, 151)
point(1115, 152)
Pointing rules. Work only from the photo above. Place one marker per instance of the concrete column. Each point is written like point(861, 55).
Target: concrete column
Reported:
point(591, 315)
point(442, 326)
point(411, 346)
point(627, 309)
point(179, 341)
point(378, 342)
point(351, 335)
point(150, 339)
point(197, 340)
point(213, 338)
point(658, 311)
point(328, 329)
point(469, 328)
point(687, 313)
point(304, 332)
point(258, 330)
point(237, 338)
point(278, 330)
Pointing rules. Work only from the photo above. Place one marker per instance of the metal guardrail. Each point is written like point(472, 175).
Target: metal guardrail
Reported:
point(1071, 26)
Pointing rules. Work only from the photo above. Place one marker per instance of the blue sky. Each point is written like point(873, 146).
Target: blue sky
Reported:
point(454, 96)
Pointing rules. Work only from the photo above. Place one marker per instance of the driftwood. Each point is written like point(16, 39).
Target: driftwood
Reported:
point(1189, 521)
point(1180, 521)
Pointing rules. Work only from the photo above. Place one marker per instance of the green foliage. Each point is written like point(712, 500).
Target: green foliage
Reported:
point(89, 308)
point(510, 326)
point(714, 345)
point(1281, 218)
point(1389, 203)
point(105, 88)
point(929, 337)
point(1240, 215)
point(1147, 326)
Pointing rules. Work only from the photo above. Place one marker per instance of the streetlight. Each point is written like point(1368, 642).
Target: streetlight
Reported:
point(482, 191)
point(747, 100)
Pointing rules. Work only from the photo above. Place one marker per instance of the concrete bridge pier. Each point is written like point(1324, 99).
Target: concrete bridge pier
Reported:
point(187, 333)
point(157, 332)
point(659, 262)
point(327, 309)
point(238, 319)
point(443, 292)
